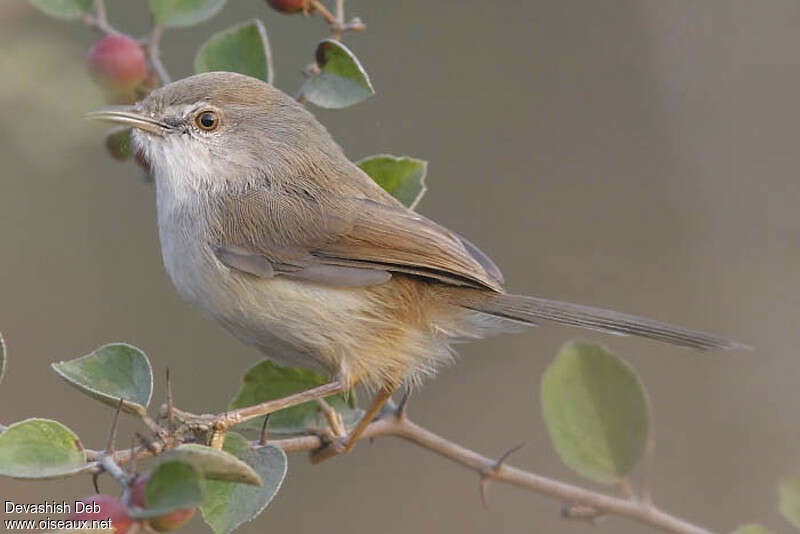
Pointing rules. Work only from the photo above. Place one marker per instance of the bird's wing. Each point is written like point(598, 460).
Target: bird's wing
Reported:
point(323, 237)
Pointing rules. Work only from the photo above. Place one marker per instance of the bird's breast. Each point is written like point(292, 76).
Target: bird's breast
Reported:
point(295, 322)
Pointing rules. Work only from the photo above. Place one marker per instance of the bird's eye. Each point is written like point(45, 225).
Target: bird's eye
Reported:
point(207, 120)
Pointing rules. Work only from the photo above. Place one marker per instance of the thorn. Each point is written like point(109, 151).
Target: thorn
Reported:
point(170, 405)
point(482, 487)
point(95, 478)
point(506, 455)
point(264, 431)
point(486, 474)
point(132, 464)
point(112, 437)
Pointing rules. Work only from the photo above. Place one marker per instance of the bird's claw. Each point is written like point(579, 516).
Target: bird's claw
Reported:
point(332, 446)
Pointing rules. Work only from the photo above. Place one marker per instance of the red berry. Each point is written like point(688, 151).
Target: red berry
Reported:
point(165, 523)
point(172, 521)
point(117, 62)
point(101, 508)
point(289, 6)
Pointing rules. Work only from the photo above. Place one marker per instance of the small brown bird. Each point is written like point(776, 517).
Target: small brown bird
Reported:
point(267, 227)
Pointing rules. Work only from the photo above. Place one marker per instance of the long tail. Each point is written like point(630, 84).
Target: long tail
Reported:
point(533, 309)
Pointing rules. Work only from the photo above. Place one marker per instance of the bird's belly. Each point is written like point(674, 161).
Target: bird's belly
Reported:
point(294, 323)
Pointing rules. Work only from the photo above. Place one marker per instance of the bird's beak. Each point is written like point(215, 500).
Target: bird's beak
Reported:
point(126, 116)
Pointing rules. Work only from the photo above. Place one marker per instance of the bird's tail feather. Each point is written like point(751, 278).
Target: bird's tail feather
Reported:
point(532, 310)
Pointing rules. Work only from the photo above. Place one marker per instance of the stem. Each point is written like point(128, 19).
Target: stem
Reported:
point(340, 11)
point(221, 422)
point(110, 466)
point(155, 55)
point(647, 469)
point(327, 15)
point(336, 22)
point(100, 11)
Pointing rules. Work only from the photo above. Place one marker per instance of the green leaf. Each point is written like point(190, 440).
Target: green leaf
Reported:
point(181, 13)
point(789, 500)
point(40, 448)
point(341, 81)
point(244, 49)
point(228, 505)
point(752, 529)
point(173, 485)
point(215, 465)
point(118, 143)
point(112, 372)
point(63, 9)
point(596, 412)
point(402, 177)
point(2, 357)
point(267, 381)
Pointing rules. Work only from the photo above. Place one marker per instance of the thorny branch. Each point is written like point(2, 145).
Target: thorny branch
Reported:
point(580, 503)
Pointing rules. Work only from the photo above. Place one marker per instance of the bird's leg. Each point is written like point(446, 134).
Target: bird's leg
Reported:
point(377, 403)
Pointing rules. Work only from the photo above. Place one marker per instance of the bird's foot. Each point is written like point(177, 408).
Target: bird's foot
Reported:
point(333, 446)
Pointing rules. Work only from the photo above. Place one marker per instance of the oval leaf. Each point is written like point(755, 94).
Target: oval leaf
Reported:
point(181, 13)
point(40, 448)
point(173, 485)
point(118, 143)
point(789, 500)
point(215, 465)
point(752, 529)
point(596, 412)
point(112, 372)
point(402, 177)
point(63, 9)
point(229, 505)
point(243, 49)
point(341, 80)
point(267, 381)
point(2, 357)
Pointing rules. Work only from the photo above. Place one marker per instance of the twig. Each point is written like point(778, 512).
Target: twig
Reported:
point(112, 468)
point(579, 500)
point(647, 469)
point(99, 19)
point(100, 11)
point(327, 15)
point(221, 422)
point(170, 403)
point(340, 11)
point(154, 54)
point(336, 22)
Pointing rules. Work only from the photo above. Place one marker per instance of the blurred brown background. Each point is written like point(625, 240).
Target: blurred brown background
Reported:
point(639, 155)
